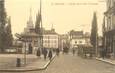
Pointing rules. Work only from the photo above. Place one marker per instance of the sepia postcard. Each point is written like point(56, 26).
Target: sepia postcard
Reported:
point(57, 36)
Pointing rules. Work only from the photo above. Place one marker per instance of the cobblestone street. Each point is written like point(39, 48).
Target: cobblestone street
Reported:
point(67, 63)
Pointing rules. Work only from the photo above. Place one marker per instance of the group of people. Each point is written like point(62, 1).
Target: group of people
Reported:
point(46, 53)
point(66, 50)
point(49, 52)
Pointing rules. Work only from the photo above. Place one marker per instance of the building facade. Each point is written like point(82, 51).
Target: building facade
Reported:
point(63, 41)
point(78, 38)
point(30, 38)
point(50, 39)
point(109, 32)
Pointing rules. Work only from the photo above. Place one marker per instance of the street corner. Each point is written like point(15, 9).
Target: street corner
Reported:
point(36, 66)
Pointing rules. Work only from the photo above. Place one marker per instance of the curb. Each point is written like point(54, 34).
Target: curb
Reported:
point(25, 70)
point(105, 61)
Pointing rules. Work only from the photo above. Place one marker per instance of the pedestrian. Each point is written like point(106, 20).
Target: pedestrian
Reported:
point(45, 53)
point(30, 49)
point(103, 53)
point(50, 55)
point(38, 52)
point(57, 51)
point(73, 51)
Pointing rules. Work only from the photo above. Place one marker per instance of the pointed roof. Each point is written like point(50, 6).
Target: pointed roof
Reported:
point(30, 21)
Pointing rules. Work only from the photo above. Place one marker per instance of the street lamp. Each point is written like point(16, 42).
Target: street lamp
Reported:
point(40, 39)
point(23, 40)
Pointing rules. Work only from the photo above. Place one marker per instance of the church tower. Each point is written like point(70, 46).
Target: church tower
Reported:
point(30, 21)
point(30, 25)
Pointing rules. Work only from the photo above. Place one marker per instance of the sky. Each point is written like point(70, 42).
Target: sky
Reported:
point(64, 15)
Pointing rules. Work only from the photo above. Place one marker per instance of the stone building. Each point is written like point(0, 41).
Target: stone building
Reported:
point(50, 39)
point(30, 38)
point(109, 29)
point(63, 40)
point(78, 38)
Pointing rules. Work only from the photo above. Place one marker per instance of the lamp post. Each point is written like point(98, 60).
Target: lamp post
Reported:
point(41, 29)
point(20, 37)
point(25, 53)
point(24, 40)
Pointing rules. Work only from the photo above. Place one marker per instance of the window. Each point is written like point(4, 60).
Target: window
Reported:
point(80, 41)
point(75, 42)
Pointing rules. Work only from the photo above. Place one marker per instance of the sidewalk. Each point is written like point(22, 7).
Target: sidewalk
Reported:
point(8, 63)
point(110, 61)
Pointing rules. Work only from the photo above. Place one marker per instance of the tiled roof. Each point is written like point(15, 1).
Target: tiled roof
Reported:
point(72, 32)
point(49, 32)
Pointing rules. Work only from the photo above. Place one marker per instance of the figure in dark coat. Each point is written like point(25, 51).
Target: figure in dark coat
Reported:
point(30, 49)
point(57, 51)
point(50, 55)
point(73, 51)
point(45, 53)
point(38, 53)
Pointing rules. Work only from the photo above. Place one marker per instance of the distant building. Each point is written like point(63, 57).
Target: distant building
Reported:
point(29, 36)
point(78, 38)
point(30, 25)
point(63, 41)
point(87, 38)
point(50, 39)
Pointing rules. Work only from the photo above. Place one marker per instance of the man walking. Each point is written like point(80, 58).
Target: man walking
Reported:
point(73, 51)
point(57, 51)
point(45, 53)
point(38, 52)
point(50, 55)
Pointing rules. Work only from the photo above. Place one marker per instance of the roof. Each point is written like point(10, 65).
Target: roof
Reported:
point(73, 32)
point(49, 32)
point(81, 37)
point(29, 35)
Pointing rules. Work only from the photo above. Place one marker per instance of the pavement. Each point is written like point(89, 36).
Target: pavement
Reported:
point(8, 63)
point(69, 63)
point(109, 61)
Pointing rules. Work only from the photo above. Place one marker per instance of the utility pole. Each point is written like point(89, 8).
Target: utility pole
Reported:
point(41, 29)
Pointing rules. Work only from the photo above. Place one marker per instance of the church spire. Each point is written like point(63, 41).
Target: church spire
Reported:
point(30, 21)
point(30, 17)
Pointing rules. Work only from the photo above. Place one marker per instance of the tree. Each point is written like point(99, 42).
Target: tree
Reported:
point(9, 36)
point(2, 25)
point(94, 32)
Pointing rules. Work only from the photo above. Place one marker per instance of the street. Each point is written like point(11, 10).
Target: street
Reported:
point(67, 63)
